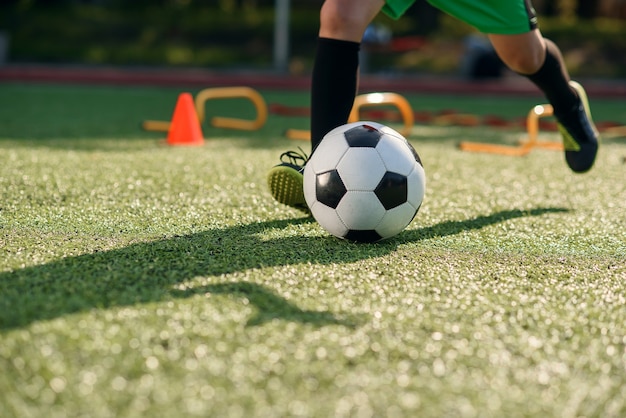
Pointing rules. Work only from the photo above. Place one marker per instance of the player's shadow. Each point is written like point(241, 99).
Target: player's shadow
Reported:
point(269, 305)
point(455, 227)
point(164, 269)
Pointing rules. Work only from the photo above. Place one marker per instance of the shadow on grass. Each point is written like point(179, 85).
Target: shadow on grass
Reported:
point(455, 227)
point(269, 305)
point(158, 270)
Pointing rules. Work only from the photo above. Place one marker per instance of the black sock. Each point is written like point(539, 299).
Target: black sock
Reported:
point(553, 80)
point(333, 86)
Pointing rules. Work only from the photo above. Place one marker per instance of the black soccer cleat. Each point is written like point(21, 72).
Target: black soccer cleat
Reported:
point(286, 179)
point(580, 136)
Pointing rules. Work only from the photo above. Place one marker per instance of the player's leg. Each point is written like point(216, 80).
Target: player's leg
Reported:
point(512, 28)
point(333, 88)
point(540, 60)
point(335, 71)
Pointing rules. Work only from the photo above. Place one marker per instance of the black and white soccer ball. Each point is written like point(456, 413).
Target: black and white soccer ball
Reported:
point(364, 182)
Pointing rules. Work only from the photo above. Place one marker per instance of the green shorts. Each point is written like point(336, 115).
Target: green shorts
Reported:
point(505, 17)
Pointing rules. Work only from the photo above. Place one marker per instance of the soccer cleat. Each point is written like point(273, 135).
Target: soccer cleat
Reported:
point(580, 136)
point(285, 180)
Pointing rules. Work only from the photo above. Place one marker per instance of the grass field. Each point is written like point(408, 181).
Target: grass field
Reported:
point(138, 279)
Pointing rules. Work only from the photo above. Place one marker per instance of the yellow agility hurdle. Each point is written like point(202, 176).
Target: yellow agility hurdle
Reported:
point(219, 121)
point(231, 93)
point(381, 99)
point(532, 130)
point(368, 100)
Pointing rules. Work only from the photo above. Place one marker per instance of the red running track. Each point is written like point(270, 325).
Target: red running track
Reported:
point(203, 78)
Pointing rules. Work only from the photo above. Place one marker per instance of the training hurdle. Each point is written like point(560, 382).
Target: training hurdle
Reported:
point(382, 99)
point(525, 146)
point(232, 93)
point(298, 134)
point(219, 121)
point(369, 100)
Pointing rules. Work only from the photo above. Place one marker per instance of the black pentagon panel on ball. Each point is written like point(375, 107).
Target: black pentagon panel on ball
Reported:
point(329, 188)
point(392, 190)
point(363, 235)
point(413, 151)
point(362, 136)
point(415, 155)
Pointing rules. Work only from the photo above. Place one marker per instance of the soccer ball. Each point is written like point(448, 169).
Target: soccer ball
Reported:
point(364, 182)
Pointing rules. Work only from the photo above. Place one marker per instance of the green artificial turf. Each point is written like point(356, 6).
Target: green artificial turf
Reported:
point(138, 279)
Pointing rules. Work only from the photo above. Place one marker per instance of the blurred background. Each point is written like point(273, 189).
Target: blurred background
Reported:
point(279, 36)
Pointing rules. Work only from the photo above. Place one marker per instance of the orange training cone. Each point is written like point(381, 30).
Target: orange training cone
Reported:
point(185, 127)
